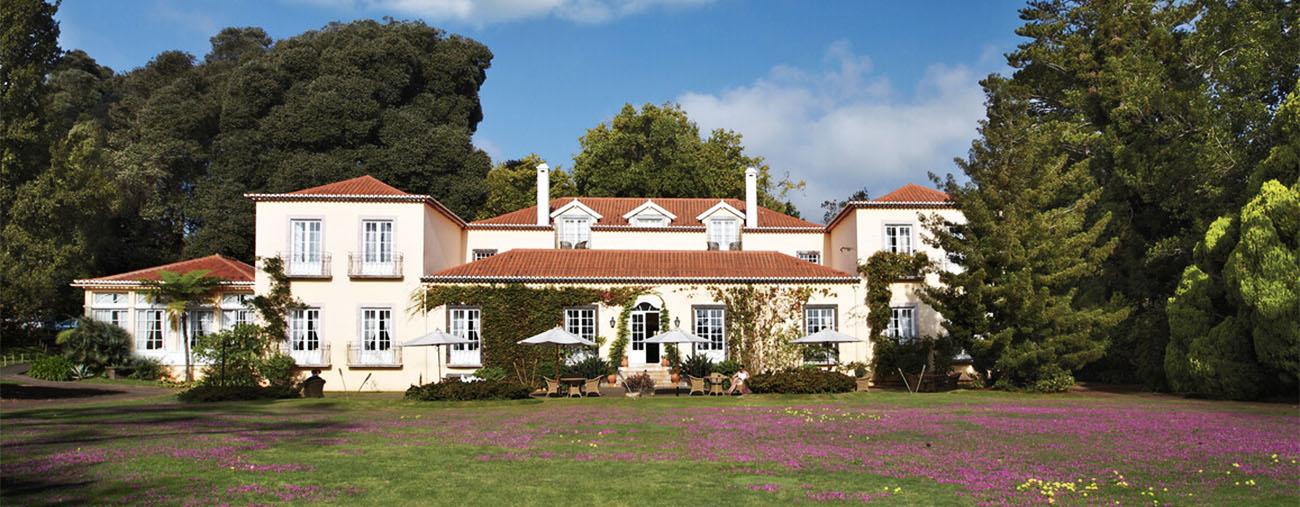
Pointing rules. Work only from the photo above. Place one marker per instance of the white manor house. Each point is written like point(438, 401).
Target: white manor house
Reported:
point(357, 250)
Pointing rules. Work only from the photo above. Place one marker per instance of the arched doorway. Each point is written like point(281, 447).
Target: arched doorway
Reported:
point(644, 324)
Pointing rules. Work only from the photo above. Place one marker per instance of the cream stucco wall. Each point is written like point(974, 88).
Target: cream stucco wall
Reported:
point(789, 243)
point(173, 352)
point(506, 239)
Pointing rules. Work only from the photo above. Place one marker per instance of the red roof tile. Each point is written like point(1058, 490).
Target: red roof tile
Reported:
point(612, 210)
point(361, 185)
point(639, 265)
point(218, 266)
point(911, 193)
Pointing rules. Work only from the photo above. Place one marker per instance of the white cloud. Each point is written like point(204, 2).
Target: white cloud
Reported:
point(841, 128)
point(483, 12)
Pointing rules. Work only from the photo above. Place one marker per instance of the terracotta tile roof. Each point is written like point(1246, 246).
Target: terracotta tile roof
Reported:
point(556, 265)
point(612, 210)
point(219, 266)
point(361, 185)
point(911, 193)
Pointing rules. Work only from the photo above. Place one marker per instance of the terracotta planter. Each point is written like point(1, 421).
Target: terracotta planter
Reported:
point(664, 361)
point(624, 362)
point(611, 379)
point(677, 377)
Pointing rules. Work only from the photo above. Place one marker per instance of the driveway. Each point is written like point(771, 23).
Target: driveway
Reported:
point(18, 391)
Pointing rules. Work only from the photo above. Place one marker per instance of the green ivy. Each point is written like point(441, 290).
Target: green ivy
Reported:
point(513, 312)
point(759, 324)
point(881, 270)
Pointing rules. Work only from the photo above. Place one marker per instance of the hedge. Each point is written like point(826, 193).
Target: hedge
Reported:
point(455, 390)
point(212, 393)
point(802, 381)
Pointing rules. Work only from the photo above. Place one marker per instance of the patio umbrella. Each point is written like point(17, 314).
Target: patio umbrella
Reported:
point(436, 339)
point(677, 336)
point(827, 336)
point(560, 338)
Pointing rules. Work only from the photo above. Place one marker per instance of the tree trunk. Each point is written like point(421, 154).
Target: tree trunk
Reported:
point(185, 337)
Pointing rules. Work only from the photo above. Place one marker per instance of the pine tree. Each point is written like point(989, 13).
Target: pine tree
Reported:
point(1027, 243)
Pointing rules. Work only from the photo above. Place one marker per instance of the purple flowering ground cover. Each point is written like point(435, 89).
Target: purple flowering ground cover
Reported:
point(960, 448)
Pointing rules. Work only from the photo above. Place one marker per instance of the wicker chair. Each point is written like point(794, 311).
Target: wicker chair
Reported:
point(697, 385)
point(552, 387)
point(592, 387)
point(715, 384)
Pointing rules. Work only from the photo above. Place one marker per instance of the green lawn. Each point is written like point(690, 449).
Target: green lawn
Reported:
point(882, 447)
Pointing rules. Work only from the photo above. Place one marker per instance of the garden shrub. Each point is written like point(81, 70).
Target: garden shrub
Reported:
point(214, 393)
point(457, 390)
point(1053, 380)
point(591, 367)
point(95, 344)
point(233, 356)
point(278, 370)
point(698, 365)
point(640, 383)
point(56, 368)
point(491, 373)
point(802, 381)
point(144, 368)
point(727, 367)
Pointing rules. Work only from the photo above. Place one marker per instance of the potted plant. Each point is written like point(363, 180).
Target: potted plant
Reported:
point(611, 375)
point(639, 385)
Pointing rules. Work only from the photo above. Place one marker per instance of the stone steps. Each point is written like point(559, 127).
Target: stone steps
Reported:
point(660, 374)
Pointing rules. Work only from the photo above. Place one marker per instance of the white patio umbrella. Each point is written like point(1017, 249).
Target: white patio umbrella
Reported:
point(560, 338)
point(436, 339)
point(677, 336)
point(827, 336)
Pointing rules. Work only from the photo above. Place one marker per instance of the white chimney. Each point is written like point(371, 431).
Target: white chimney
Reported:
point(751, 197)
point(543, 194)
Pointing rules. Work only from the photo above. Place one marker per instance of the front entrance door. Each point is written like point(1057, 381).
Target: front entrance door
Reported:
point(645, 324)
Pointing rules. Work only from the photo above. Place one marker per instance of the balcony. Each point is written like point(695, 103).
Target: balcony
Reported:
point(360, 267)
point(309, 267)
point(360, 357)
point(314, 358)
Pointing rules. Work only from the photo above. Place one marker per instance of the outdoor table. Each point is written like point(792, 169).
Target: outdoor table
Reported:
point(574, 383)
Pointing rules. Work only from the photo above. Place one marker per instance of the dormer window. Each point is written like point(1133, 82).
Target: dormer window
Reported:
point(724, 234)
point(649, 214)
point(573, 232)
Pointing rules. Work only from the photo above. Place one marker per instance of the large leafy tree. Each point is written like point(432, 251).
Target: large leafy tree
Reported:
point(512, 185)
point(1177, 99)
point(1028, 242)
point(29, 50)
point(657, 151)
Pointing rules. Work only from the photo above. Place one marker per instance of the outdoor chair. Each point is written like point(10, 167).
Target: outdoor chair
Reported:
point(864, 384)
point(715, 384)
point(575, 390)
point(697, 385)
point(592, 387)
point(552, 387)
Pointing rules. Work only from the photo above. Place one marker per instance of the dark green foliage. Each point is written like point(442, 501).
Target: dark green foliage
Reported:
point(491, 374)
point(278, 370)
point(514, 312)
point(657, 152)
point(639, 383)
point(29, 50)
point(832, 207)
point(274, 305)
point(233, 356)
point(1053, 380)
point(212, 393)
point(933, 353)
point(56, 368)
point(512, 185)
point(698, 365)
point(456, 390)
point(181, 293)
point(95, 344)
point(727, 367)
point(143, 368)
point(590, 367)
point(1234, 321)
point(801, 381)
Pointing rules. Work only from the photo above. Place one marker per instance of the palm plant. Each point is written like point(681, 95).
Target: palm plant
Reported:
point(180, 292)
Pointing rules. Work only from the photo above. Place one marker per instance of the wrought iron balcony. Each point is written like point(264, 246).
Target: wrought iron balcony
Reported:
point(308, 266)
point(307, 357)
point(364, 357)
point(361, 267)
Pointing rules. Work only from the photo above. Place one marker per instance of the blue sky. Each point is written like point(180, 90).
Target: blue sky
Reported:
point(841, 95)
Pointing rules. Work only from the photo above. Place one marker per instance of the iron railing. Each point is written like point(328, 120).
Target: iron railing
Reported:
point(360, 267)
point(307, 268)
point(305, 357)
point(365, 357)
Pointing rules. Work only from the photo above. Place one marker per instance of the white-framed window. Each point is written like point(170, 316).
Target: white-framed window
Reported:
point(232, 318)
point(483, 253)
point(817, 318)
point(902, 323)
point(711, 324)
point(376, 243)
point(305, 255)
point(201, 322)
point(574, 232)
point(236, 300)
point(110, 299)
point(114, 317)
point(149, 329)
point(304, 329)
point(581, 321)
point(650, 221)
point(465, 322)
point(376, 329)
point(812, 256)
point(898, 238)
point(724, 234)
